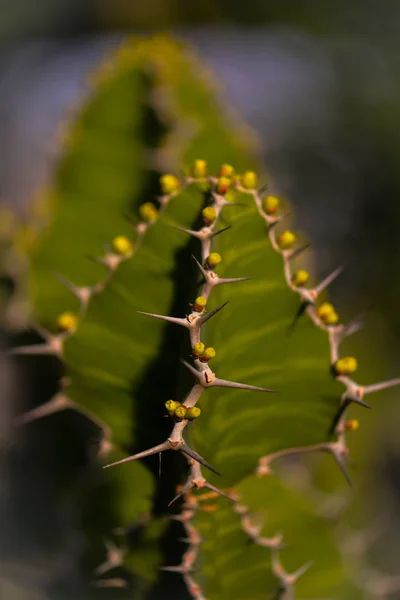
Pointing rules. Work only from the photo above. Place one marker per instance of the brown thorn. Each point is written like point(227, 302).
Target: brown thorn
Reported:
point(195, 372)
point(215, 233)
point(342, 409)
point(383, 385)
point(189, 452)
point(280, 219)
point(355, 324)
point(34, 349)
point(339, 457)
point(217, 382)
point(150, 452)
point(208, 315)
point(176, 320)
point(212, 487)
point(56, 404)
point(328, 280)
point(233, 280)
point(188, 231)
point(185, 488)
point(201, 268)
point(299, 251)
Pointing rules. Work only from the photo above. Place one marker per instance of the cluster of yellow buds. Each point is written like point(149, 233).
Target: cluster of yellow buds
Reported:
point(199, 304)
point(227, 178)
point(209, 215)
point(148, 212)
point(122, 246)
point(169, 184)
point(286, 239)
point(67, 321)
point(180, 412)
point(300, 278)
point(202, 353)
point(346, 365)
point(213, 260)
point(327, 313)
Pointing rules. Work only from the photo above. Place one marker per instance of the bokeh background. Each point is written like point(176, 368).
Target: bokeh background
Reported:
point(320, 83)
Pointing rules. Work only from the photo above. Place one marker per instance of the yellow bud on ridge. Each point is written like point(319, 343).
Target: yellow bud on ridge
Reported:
point(223, 185)
point(226, 170)
point(207, 354)
point(285, 240)
point(198, 349)
point(180, 412)
point(346, 365)
point(193, 413)
point(172, 405)
point(270, 204)
point(209, 215)
point(148, 212)
point(300, 277)
point(249, 180)
point(332, 318)
point(122, 245)
point(67, 321)
point(199, 169)
point(352, 425)
point(169, 184)
point(325, 310)
point(327, 313)
point(213, 260)
point(200, 303)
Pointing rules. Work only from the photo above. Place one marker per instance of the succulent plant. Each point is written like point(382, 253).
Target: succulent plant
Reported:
point(261, 347)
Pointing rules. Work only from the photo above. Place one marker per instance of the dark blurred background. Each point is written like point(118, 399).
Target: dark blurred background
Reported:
point(319, 81)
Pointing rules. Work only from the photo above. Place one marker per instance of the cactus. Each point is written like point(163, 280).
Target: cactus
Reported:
point(254, 326)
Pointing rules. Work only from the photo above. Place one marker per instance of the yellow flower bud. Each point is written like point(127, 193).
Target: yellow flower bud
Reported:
point(207, 354)
point(223, 185)
point(226, 171)
point(285, 240)
point(352, 425)
point(200, 303)
point(249, 180)
point(180, 412)
point(270, 204)
point(327, 313)
point(325, 310)
point(332, 318)
point(300, 278)
point(148, 212)
point(198, 349)
point(122, 245)
point(169, 184)
point(213, 260)
point(67, 321)
point(346, 365)
point(209, 215)
point(193, 413)
point(171, 406)
point(199, 169)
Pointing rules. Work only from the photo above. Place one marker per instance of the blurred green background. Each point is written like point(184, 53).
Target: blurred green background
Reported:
point(320, 83)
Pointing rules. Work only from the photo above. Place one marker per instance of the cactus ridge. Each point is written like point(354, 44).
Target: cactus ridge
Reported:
point(205, 377)
point(182, 197)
